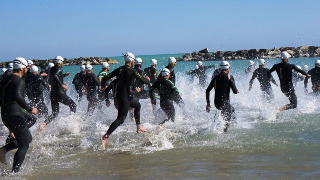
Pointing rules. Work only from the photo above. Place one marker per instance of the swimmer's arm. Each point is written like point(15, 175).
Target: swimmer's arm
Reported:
point(151, 89)
point(106, 92)
point(299, 70)
point(19, 98)
point(233, 86)
point(254, 75)
point(211, 85)
point(271, 70)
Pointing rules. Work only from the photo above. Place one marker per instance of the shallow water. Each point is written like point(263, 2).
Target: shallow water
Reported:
point(259, 144)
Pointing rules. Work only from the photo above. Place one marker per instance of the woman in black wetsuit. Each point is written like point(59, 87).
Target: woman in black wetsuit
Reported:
point(15, 113)
point(125, 101)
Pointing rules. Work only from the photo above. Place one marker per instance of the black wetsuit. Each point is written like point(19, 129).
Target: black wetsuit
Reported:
point(216, 72)
point(222, 83)
point(15, 117)
point(201, 73)
point(125, 101)
point(152, 73)
point(113, 85)
point(27, 79)
point(37, 87)
point(172, 77)
point(315, 79)
point(79, 84)
point(262, 75)
point(91, 82)
point(101, 94)
point(284, 71)
point(143, 94)
point(167, 91)
point(58, 93)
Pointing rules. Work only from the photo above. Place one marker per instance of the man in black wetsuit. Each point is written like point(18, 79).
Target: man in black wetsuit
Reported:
point(151, 71)
point(166, 90)
point(172, 62)
point(201, 73)
point(37, 87)
point(222, 83)
point(58, 91)
point(262, 76)
point(15, 113)
point(315, 78)
point(27, 79)
point(124, 74)
point(78, 82)
point(91, 83)
point(284, 71)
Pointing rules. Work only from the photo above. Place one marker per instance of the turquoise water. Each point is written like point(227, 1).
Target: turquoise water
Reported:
point(259, 144)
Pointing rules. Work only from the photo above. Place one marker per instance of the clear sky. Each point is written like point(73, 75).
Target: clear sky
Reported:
point(41, 29)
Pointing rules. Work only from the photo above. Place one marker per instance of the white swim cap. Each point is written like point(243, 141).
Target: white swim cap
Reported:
point(153, 62)
point(82, 68)
point(138, 61)
point(261, 62)
point(299, 67)
point(128, 57)
point(197, 67)
point(50, 65)
point(33, 69)
point(306, 68)
point(88, 67)
point(199, 63)
point(165, 72)
point(317, 63)
point(224, 65)
point(285, 55)
point(104, 65)
point(251, 63)
point(30, 62)
point(19, 63)
point(10, 65)
point(58, 59)
point(172, 60)
point(3, 70)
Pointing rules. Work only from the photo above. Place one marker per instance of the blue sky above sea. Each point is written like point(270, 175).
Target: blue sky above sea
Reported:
point(43, 29)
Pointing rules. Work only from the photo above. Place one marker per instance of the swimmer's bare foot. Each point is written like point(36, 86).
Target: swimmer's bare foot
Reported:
point(42, 126)
point(103, 140)
point(140, 130)
point(3, 153)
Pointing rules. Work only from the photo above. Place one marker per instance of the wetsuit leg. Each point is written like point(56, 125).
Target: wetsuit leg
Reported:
point(167, 106)
point(123, 108)
point(267, 94)
point(227, 112)
point(66, 100)
point(18, 126)
point(92, 100)
point(134, 103)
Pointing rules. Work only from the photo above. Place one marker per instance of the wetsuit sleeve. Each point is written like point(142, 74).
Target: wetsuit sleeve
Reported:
point(173, 87)
point(209, 88)
point(74, 79)
point(254, 75)
point(233, 85)
point(299, 70)
point(139, 77)
point(57, 78)
point(44, 82)
point(272, 79)
point(109, 76)
point(271, 70)
point(19, 98)
point(96, 81)
point(106, 92)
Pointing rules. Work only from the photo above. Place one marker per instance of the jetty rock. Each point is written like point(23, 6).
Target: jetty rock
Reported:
point(274, 53)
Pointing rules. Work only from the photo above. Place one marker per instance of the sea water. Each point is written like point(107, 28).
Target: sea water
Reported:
point(259, 144)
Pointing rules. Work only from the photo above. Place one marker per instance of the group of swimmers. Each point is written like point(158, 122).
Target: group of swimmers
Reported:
point(22, 79)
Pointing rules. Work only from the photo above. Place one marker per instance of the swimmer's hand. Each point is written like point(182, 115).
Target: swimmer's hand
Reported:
point(147, 78)
point(238, 91)
point(140, 130)
point(65, 87)
point(108, 103)
point(308, 75)
point(67, 74)
point(138, 89)
point(34, 111)
point(43, 74)
point(42, 126)
point(153, 102)
point(313, 87)
point(208, 108)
